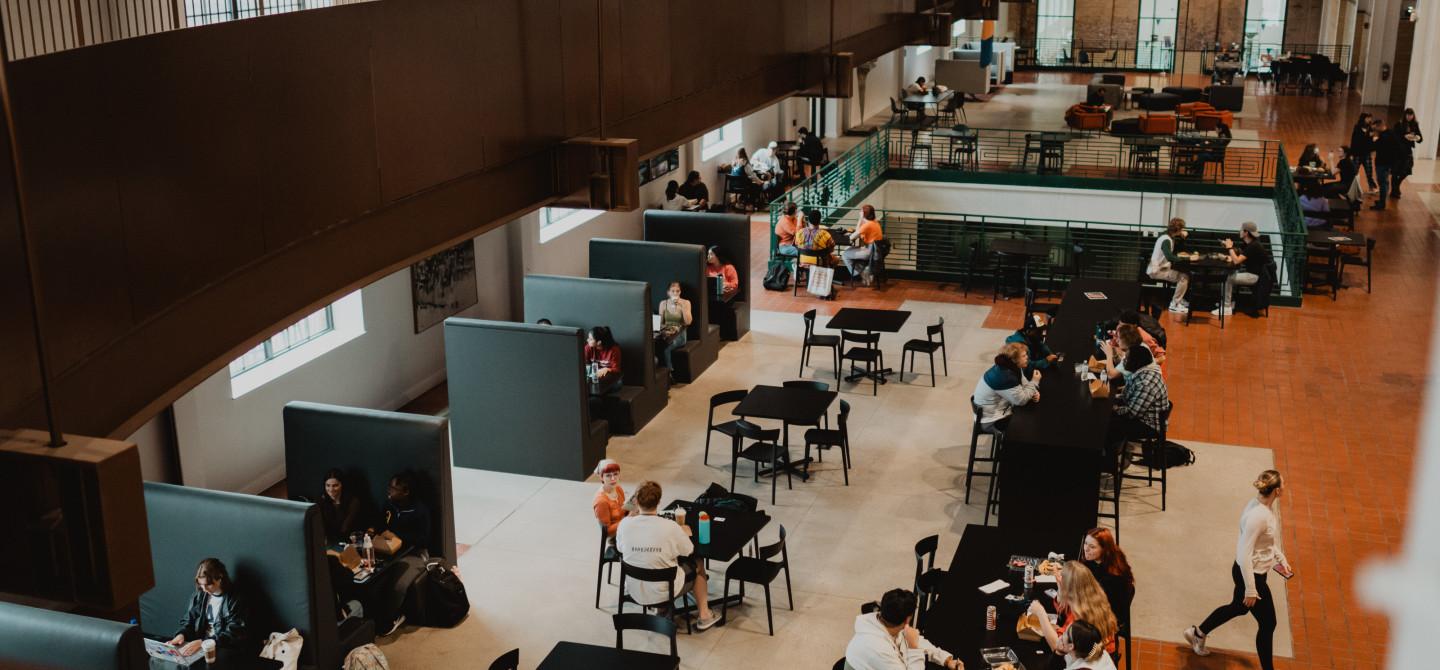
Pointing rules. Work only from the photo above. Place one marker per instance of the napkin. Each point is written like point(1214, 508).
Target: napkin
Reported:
point(997, 585)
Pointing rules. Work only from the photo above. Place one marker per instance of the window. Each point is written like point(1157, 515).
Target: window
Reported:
point(556, 221)
point(1264, 30)
point(302, 342)
point(718, 140)
point(1155, 39)
point(1054, 30)
point(958, 28)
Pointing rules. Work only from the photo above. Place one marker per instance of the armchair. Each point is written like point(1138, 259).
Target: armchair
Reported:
point(1157, 124)
point(1085, 117)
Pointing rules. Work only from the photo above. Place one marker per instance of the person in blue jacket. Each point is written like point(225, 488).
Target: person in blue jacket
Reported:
point(1032, 335)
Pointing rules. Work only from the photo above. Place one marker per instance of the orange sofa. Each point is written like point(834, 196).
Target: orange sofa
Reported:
point(1209, 120)
point(1085, 117)
point(1157, 124)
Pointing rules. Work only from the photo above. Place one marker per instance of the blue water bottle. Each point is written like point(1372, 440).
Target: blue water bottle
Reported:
point(704, 528)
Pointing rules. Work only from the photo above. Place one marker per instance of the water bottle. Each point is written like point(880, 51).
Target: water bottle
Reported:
point(369, 547)
point(704, 528)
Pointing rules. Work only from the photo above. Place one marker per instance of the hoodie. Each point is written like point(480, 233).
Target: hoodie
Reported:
point(999, 390)
point(874, 648)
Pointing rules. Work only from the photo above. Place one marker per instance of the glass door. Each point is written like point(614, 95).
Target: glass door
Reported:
point(1155, 38)
point(1264, 31)
point(1054, 33)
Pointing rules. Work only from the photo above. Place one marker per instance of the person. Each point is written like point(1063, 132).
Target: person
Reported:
point(1310, 159)
point(339, 511)
point(764, 159)
point(1256, 552)
point(717, 266)
point(1390, 160)
point(1162, 258)
point(866, 234)
point(648, 541)
point(673, 200)
point(785, 230)
point(1080, 598)
point(1006, 385)
point(348, 595)
point(602, 351)
point(810, 152)
point(741, 167)
point(1408, 130)
point(1252, 256)
point(1108, 564)
point(216, 612)
point(885, 640)
point(1313, 201)
point(1362, 146)
point(695, 190)
point(1349, 170)
point(544, 322)
point(1084, 648)
point(1141, 403)
point(918, 87)
point(675, 319)
point(1032, 336)
point(405, 515)
point(609, 502)
point(1131, 317)
point(815, 244)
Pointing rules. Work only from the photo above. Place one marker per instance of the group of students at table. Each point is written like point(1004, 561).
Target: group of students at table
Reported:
point(764, 171)
point(1093, 598)
point(813, 244)
point(1247, 254)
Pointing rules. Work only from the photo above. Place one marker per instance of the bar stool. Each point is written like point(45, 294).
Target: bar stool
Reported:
point(997, 438)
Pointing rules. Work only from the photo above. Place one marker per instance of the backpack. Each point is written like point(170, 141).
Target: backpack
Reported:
point(777, 277)
point(720, 497)
point(366, 657)
point(1176, 455)
point(437, 598)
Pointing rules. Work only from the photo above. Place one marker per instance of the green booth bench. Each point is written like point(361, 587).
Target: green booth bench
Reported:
point(40, 639)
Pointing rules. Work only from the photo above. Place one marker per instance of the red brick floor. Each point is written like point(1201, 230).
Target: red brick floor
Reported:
point(1332, 388)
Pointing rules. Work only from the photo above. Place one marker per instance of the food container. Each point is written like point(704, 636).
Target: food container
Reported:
point(999, 657)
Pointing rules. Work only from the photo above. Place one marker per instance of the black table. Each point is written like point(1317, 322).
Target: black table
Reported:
point(1335, 238)
point(730, 529)
point(1051, 463)
point(1052, 150)
point(870, 321)
point(1205, 272)
point(571, 655)
point(1022, 251)
point(800, 406)
point(964, 141)
point(956, 622)
point(931, 98)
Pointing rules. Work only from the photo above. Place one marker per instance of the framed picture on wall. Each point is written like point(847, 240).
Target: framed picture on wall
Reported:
point(443, 285)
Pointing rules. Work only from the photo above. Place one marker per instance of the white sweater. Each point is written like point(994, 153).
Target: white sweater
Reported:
point(874, 648)
point(1258, 549)
point(996, 405)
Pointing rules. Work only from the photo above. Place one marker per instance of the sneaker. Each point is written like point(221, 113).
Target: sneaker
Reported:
point(1197, 641)
point(1178, 308)
point(706, 623)
point(1225, 310)
point(395, 626)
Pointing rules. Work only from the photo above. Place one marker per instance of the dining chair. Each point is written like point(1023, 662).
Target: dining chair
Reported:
point(928, 346)
point(765, 447)
point(868, 353)
point(607, 558)
point(509, 660)
point(726, 428)
point(645, 622)
point(825, 438)
point(928, 578)
point(1154, 452)
point(1357, 260)
point(812, 340)
point(664, 576)
point(759, 569)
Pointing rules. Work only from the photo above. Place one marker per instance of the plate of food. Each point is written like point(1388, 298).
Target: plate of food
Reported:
point(1049, 567)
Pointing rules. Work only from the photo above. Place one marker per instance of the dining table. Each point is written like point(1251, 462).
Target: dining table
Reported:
point(572, 655)
point(869, 321)
point(791, 406)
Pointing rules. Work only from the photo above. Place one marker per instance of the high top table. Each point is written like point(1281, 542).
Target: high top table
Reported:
point(1051, 462)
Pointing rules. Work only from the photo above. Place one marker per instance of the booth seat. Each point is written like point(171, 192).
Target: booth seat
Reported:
point(697, 354)
point(39, 638)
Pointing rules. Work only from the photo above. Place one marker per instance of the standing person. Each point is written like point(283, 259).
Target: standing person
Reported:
point(675, 319)
point(648, 541)
point(1408, 130)
point(696, 191)
point(1005, 385)
point(339, 510)
point(1253, 258)
point(1390, 159)
point(1256, 553)
point(1362, 146)
point(810, 152)
point(885, 640)
point(866, 234)
point(601, 349)
point(216, 612)
point(609, 504)
point(785, 230)
point(1162, 258)
point(1111, 568)
point(717, 266)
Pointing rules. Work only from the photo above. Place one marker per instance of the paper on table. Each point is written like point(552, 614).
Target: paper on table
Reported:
point(1044, 579)
point(994, 586)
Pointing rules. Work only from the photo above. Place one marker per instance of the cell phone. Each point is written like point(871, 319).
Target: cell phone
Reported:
point(1283, 571)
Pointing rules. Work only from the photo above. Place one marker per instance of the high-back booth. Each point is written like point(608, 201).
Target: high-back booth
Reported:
point(32, 638)
point(275, 553)
point(369, 447)
point(519, 401)
point(730, 233)
point(658, 264)
point(624, 307)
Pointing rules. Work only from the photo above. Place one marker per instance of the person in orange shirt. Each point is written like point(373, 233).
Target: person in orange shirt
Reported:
point(785, 231)
point(866, 234)
point(609, 502)
point(716, 266)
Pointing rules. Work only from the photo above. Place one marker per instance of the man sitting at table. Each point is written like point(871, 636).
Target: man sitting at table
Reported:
point(648, 541)
point(885, 640)
point(918, 88)
point(866, 234)
point(1032, 336)
point(765, 161)
point(406, 515)
point(695, 190)
point(1252, 255)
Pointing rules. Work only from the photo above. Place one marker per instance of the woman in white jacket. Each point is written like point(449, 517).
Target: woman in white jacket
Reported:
point(1005, 385)
point(1256, 553)
point(881, 645)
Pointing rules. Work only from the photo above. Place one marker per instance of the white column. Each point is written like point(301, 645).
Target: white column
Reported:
point(1423, 92)
point(1329, 20)
point(1384, 23)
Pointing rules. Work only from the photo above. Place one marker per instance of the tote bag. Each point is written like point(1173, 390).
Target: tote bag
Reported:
point(822, 280)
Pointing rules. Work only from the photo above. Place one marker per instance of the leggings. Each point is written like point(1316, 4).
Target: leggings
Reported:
point(1263, 611)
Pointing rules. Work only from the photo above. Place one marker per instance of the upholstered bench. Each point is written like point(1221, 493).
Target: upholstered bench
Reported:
point(1186, 93)
point(1159, 102)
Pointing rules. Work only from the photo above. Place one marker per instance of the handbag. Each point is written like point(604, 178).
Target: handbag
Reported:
point(822, 279)
point(284, 647)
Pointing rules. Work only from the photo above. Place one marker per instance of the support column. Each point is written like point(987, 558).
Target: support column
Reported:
point(1423, 94)
point(1380, 50)
point(1329, 20)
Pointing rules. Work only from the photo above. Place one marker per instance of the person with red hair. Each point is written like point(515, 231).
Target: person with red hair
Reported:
point(1107, 562)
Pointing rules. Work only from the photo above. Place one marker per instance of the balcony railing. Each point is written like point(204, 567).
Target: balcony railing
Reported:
point(1083, 54)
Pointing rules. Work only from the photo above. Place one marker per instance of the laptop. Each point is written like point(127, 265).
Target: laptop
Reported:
point(165, 652)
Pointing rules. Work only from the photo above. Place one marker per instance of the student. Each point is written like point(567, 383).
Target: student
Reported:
point(785, 230)
point(1161, 259)
point(674, 202)
point(1362, 146)
point(1084, 648)
point(1254, 258)
point(544, 322)
point(885, 640)
point(866, 234)
point(1131, 317)
point(816, 245)
point(764, 159)
point(1006, 385)
point(1314, 201)
point(601, 350)
point(810, 152)
point(695, 190)
point(1108, 564)
point(1256, 553)
point(1140, 405)
point(675, 319)
point(918, 87)
point(1391, 159)
point(339, 510)
point(405, 515)
point(716, 266)
point(1310, 159)
point(1408, 131)
point(609, 505)
point(1032, 336)
point(741, 166)
point(1080, 599)
point(647, 540)
point(1349, 170)
point(216, 612)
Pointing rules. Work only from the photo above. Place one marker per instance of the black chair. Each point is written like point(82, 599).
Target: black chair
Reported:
point(1033, 305)
point(607, 558)
point(1123, 624)
point(898, 113)
point(996, 436)
point(645, 622)
point(928, 578)
point(868, 353)
point(1322, 268)
point(509, 660)
point(1360, 261)
point(954, 109)
point(825, 438)
point(765, 448)
point(655, 575)
point(811, 384)
point(839, 665)
point(726, 428)
point(928, 346)
point(1154, 450)
point(813, 340)
point(759, 569)
point(739, 191)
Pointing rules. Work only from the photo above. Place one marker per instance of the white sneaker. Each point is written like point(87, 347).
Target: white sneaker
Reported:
point(1197, 641)
point(1225, 310)
point(395, 626)
point(704, 624)
point(1179, 308)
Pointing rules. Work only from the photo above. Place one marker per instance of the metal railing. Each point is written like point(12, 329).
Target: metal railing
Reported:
point(1338, 54)
point(840, 180)
point(1089, 54)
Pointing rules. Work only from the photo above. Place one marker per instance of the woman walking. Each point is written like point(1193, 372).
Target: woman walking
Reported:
point(1256, 553)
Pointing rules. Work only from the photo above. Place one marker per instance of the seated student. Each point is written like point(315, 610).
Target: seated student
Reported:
point(1032, 336)
point(885, 640)
point(1162, 258)
point(348, 595)
point(647, 540)
point(609, 506)
point(1126, 336)
point(1313, 201)
point(544, 322)
point(764, 160)
point(405, 515)
point(1310, 159)
point(1108, 564)
point(716, 266)
point(741, 167)
point(674, 202)
point(339, 509)
point(675, 320)
point(785, 230)
point(918, 87)
point(1253, 258)
point(1139, 406)
point(1006, 385)
point(216, 612)
point(1349, 168)
point(866, 234)
point(1080, 598)
point(1084, 649)
point(695, 190)
point(816, 245)
point(602, 351)
point(1131, 317)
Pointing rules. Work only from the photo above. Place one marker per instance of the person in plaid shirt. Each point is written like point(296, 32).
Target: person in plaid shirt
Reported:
point(1140, 405)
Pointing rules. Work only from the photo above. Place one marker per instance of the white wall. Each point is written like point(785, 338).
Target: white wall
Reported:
point(1384, 25)
point(1423, 90)
point(156, 450)
point(881, 84)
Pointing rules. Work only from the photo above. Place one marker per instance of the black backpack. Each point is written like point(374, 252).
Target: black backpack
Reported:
point(1176, 455)
point(437, 598)
point(777, 278)
point(719, 496)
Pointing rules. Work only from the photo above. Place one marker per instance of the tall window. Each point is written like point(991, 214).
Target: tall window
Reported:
point(204, 12)
point(1155, 39)
point(306, 340)
point(307, 329)
point(718, 140)
point(1054, 32)
point(556, 221)
point(1264, 30)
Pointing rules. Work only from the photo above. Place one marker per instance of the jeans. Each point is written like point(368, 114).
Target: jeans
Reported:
point(1180, 279)
point(1241, 278)
point(1382, 172)
point(676, 343)
point(1263, 611)
point(1367, 162)
point(854, 257)
point(787, 250)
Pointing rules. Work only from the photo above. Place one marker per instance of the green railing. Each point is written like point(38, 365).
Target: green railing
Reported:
point(839, 181)
point(1293, 233)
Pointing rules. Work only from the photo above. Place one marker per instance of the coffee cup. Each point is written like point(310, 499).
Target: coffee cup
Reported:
point(680, 515)
point(208, 646)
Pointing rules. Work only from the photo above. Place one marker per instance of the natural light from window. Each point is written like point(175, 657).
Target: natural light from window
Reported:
point(721, 139)
point(556, 221)
point(308, 339)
